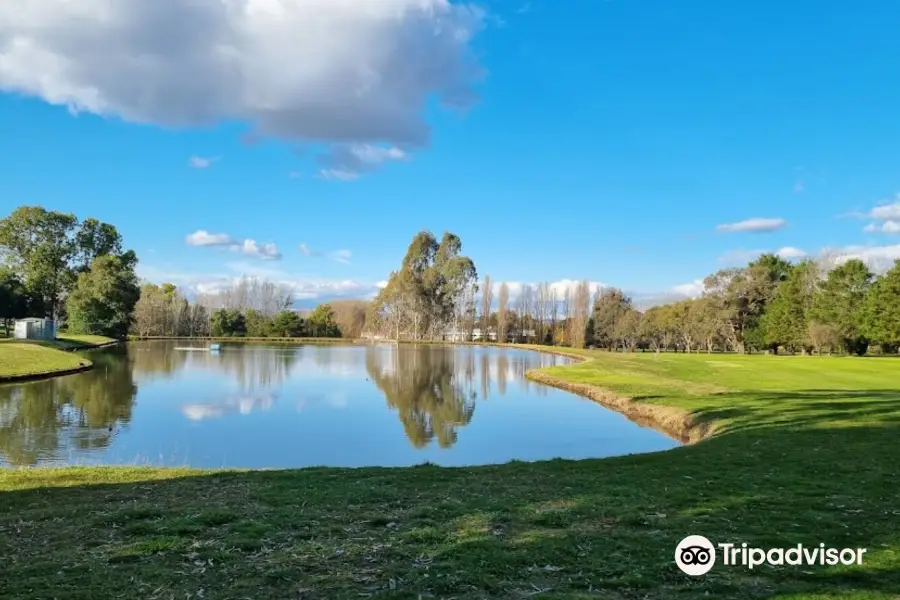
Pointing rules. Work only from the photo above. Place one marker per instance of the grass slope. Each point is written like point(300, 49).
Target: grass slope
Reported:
point(19, 359)
point(36, 358)
point(806, 452)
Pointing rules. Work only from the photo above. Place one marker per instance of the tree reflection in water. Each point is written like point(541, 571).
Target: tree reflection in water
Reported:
point(50, 421)
point(252, 366)
point(422, 384)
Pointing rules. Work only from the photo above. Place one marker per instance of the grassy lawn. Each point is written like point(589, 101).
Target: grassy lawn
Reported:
point(806, 451)
point(26, 358)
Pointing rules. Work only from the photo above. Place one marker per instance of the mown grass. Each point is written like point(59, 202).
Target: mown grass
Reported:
point(806, 453)
point(18, 359)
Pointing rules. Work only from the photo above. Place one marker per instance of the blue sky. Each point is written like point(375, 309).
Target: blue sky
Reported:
point(586, 139)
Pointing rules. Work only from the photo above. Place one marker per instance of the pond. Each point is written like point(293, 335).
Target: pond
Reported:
point(274, 406)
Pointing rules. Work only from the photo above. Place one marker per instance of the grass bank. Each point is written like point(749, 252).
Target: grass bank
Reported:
point(805, 452)
point(33, 359)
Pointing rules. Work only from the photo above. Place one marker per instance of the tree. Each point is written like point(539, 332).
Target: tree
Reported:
point(13, 298)
point(822, 335)
point(786, 318)
point(321, 322)
point(655, 326)
point(104, 298)
point(627, 329)
point(487, 301)
point(350, 316)
point(49, 249)
point(421, 299)
point(228, 323)
point(608, 309)
point(581, 313)
point(882, 314)
point(288, 324)
point(841, 303)
point(502, 312)
point(738, 298)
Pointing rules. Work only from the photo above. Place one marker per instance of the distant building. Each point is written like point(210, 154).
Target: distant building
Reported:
point(35, 329)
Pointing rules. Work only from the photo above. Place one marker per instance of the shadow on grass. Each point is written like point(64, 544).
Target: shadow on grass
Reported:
point(557, 529)
point(801, 409)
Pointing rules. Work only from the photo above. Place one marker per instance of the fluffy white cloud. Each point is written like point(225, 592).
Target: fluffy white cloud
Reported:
point(887, 211)
point(341, 72)
point(201, 237)
point(755, 225)
point(256, 250)
point(790, 253)
point(889, 226)
point(248, 247)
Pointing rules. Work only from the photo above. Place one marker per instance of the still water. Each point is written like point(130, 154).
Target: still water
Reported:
point(256, 406)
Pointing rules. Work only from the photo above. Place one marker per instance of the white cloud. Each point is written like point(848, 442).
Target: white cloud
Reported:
point(878, 258)
point(690, 290)
point(341, 72)
point(886, 211)
point(790, 253)
point(249, 247)
point(201, 237)
point(256, 250)
point(348, 162)
point(199, 162)
point(755, 225)
point(889, 226)
point(304, 288)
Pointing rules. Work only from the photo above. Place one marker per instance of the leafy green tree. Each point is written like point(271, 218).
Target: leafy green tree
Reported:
point(882, 314)
point(257, 323)
point(609, 309)
point(321, 322)
point(423, 297)
point(841, 302)
point(13, 298)
point(787, 316)
point(228, 323)
point(288, 324)
point(50, 249)
point(104, 297)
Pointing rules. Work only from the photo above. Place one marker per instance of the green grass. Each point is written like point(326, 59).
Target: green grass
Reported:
point(806, 451)
point(18, 359)
point(84, 340)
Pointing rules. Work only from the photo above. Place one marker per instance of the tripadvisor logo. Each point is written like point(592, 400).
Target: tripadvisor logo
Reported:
point(695, 555)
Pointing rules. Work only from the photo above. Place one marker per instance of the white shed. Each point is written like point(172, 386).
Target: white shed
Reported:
point(35, 329)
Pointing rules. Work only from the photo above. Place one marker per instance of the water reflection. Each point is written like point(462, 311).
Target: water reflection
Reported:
point(251, 367)
point(241, 404)
point(279, 406)
point(422, 385)
point(60, 419)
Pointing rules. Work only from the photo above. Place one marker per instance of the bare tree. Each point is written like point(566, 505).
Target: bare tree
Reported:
point(567, 317)
point(487, 300)
point(580, 313)
point(502, 312)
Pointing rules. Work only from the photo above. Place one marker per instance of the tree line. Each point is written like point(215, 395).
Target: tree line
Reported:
point(78, 272)
point(830, 305)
